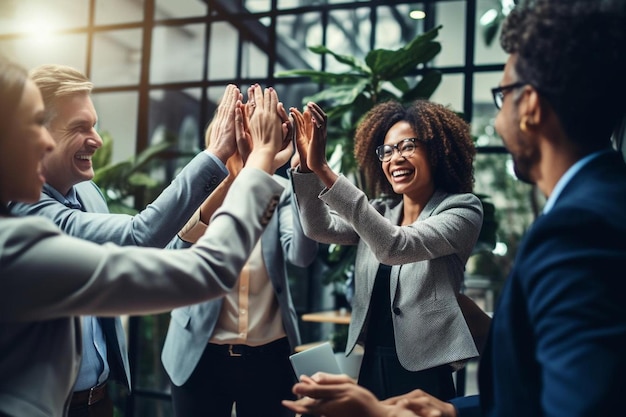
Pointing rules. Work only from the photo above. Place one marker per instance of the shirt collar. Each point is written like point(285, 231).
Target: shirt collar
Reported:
point(567, 177)
point(70, 199)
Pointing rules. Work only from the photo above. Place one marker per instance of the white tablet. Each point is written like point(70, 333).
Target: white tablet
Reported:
point(320, 358)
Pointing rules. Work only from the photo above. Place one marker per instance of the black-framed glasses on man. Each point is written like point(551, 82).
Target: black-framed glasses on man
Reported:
point(498, 92)
point(405, 148)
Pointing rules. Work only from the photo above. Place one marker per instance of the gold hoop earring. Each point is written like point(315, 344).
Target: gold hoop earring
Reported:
point(523, 124)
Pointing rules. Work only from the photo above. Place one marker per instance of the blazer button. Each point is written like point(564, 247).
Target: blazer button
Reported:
point(397, 311)
point(279, 290)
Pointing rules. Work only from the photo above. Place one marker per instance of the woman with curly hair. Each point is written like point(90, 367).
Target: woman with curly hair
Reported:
point(413, 239)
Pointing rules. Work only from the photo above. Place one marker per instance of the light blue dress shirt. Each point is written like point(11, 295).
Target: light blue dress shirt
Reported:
point(94, 370)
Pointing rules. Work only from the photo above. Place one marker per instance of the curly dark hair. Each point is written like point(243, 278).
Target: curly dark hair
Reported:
point(447, 136)
point(574, 53)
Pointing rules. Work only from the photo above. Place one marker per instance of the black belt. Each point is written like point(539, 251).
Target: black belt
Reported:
point(89, 396)
point(277, 347)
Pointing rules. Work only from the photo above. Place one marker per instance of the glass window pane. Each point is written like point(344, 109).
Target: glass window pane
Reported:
point(175, 116)
point(42, 17)
point(253, 61)
point(488, 21)
point(171, 9)
point(177, 53)
point(223, 51)
point(118, 11)
point(117, 115)
point(116, 57)
point(484, 110)
point(31, 52)
point(394, 27)
point(450, 92)
point(348, 33)
point(451, 15)
point(255, 6)
point(514, 202)
point(151, 335)
point(296, 33)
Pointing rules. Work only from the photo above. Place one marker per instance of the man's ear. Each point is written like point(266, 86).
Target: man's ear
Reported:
point(532, 108)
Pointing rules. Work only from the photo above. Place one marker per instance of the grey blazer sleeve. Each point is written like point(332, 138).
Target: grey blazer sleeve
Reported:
point(344, 215)
point(448, 224)
point(319, 222)
point(46, 274)
point(155, 226)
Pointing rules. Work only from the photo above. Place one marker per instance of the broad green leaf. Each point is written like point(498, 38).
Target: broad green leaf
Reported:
point(425, 87)
point(389, 64)
point(141, 179)
point(340, 95)
point(400, 83)
point(349, 60)
point(322, 77)
point(150, 153)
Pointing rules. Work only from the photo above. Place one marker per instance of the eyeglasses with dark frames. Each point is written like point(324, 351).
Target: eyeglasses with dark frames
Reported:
point(499, 92)
point(405, 148)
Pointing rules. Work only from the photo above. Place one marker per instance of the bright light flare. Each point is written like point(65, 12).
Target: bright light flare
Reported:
point(417, 14)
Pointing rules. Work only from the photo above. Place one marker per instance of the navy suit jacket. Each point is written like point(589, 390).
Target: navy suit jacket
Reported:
point(557, 345)
point(156, 226)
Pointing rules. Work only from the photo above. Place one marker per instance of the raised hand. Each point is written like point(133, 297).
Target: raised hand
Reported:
point(285, 155)
point(302, 127)
point(311, 135)
point(266, 128)
point(220, 138)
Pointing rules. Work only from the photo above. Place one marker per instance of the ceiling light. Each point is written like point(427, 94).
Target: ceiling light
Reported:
point(417, 14)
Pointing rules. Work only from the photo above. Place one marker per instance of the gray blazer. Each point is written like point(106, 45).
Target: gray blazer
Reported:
point(155, 226)
point(191, 327)
point(47, 279)
point(427, 258)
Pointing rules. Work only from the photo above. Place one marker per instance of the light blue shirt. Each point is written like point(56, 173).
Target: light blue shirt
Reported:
point(94, 369)
point(567, 177)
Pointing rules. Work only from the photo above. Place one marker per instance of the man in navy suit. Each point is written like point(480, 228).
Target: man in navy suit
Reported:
point(557, 344)
point(77, 206)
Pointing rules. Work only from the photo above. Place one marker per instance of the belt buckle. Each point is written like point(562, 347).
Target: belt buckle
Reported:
point(90, 398)
point(231, 353)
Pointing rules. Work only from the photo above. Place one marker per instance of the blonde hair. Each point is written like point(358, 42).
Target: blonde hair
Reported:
point(55, 81)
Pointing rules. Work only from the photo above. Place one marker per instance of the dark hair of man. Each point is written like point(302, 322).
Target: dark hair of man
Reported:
point(447, 138)
point(573, 52)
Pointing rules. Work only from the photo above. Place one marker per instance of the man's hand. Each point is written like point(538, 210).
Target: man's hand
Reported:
point(335, 396)
point(220, 138)
point(420, 403)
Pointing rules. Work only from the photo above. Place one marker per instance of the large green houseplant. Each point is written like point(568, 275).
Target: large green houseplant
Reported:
point(122, 181)
point(401, 74)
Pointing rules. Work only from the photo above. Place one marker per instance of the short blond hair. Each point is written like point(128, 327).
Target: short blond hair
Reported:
point(55, 81)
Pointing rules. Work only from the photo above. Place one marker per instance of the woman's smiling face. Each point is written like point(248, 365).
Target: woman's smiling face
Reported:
point(22, 149)
point(411, 175)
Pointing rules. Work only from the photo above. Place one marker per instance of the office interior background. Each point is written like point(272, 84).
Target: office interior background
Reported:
point(160, 66)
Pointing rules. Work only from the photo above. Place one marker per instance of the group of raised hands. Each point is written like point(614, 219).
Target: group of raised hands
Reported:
point(259, 133)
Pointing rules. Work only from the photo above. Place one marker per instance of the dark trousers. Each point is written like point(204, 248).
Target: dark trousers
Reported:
point(256, 382)
point(382, 374)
